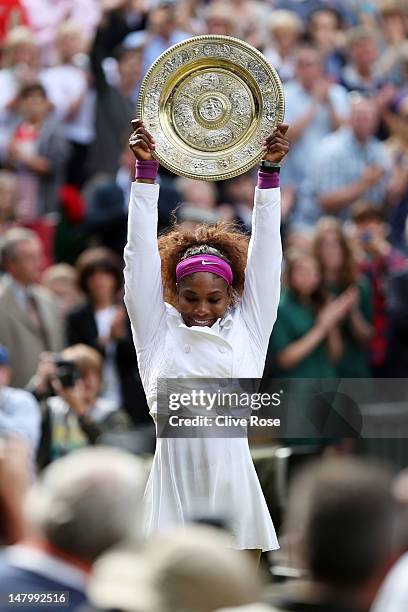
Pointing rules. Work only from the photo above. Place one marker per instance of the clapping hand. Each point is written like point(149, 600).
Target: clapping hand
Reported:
point(334, 311)
point(372, 175)
point(118, 327)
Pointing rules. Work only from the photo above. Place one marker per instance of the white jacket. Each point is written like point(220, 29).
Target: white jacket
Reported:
point(235, 346)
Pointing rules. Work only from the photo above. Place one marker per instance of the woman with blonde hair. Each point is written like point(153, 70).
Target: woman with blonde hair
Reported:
point(285, 29)
point(21, 64)
point(68, 87)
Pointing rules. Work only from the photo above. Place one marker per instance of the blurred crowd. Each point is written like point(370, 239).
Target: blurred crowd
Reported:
point(69, 81)
point(70, 74)
point(73, 540)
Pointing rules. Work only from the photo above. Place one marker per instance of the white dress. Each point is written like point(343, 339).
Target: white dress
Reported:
point(203, 476)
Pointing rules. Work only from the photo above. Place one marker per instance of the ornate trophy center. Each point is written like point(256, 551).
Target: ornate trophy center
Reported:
point(211, 109)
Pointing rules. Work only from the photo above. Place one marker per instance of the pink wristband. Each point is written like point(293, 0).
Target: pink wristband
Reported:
point(146, 169)
point(268, 180)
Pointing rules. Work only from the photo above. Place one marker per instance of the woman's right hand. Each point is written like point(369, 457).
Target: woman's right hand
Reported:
point(46, 372)
point(141, 142)
point(332, 313)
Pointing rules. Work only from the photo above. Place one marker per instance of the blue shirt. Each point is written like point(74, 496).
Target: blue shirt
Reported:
point(297, 102)
point(340, 161)
point(20, 414)
point(155, 46)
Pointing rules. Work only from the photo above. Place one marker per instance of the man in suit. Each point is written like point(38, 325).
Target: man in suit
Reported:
point(29, 320)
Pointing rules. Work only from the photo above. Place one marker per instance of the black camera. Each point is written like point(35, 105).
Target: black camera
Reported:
point(67, 373)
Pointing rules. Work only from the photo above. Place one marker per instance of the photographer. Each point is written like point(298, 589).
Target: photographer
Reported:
point(74, 414)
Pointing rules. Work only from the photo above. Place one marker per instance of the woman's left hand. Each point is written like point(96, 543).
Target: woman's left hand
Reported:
point(118, 327)
point(276, 146)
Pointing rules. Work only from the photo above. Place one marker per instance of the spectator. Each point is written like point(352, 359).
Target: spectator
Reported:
point(75, 415)
point(114, 102)
point(19, 411)
point(350, 164)
point(314, 108)
point(45, 19)
point(239, 193)
point(285, 29)
point(189, 17)
point(105, 221)
point(8, 200)
point(29, 321)
point(103, 324)
point(37, 151)
point(332, 529)
point(394, 27)
point(253, 16)
point(190, 568)
point(325, 27)
point(378, 260)
point(20, 62)
point(305, 341)
point(197, 193)
point(397, 146)
point(339, 271)
point(305, 9)
point(161, 32)
point(393, 594)
point(198, 203)
point(359, 74)
point(403, 68)
point(20, 69)
point(67, 86)
point(396, 306)
point(61, 281)
point(220, 20)
point(298, 238)
point(81, 506)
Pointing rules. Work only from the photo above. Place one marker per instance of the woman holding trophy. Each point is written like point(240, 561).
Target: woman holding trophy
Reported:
point(203, 304)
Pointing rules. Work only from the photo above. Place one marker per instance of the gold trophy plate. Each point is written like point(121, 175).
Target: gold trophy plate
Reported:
point(209, 102)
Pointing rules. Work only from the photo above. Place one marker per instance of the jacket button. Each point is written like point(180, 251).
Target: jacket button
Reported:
point(222, 349)
point(187, 348)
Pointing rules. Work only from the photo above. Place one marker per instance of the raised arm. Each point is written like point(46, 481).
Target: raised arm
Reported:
point(143, 284)
point(262, 274)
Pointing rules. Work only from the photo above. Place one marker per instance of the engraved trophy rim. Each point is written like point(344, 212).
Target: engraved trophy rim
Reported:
point(227, 66)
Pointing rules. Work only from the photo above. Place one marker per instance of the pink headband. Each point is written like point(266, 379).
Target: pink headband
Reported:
point(204, 263)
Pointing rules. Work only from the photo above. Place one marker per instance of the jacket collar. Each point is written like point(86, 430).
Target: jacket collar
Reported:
point(33, 559)
point(17, 303)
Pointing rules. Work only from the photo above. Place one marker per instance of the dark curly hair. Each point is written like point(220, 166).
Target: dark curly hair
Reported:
point(223, 239)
